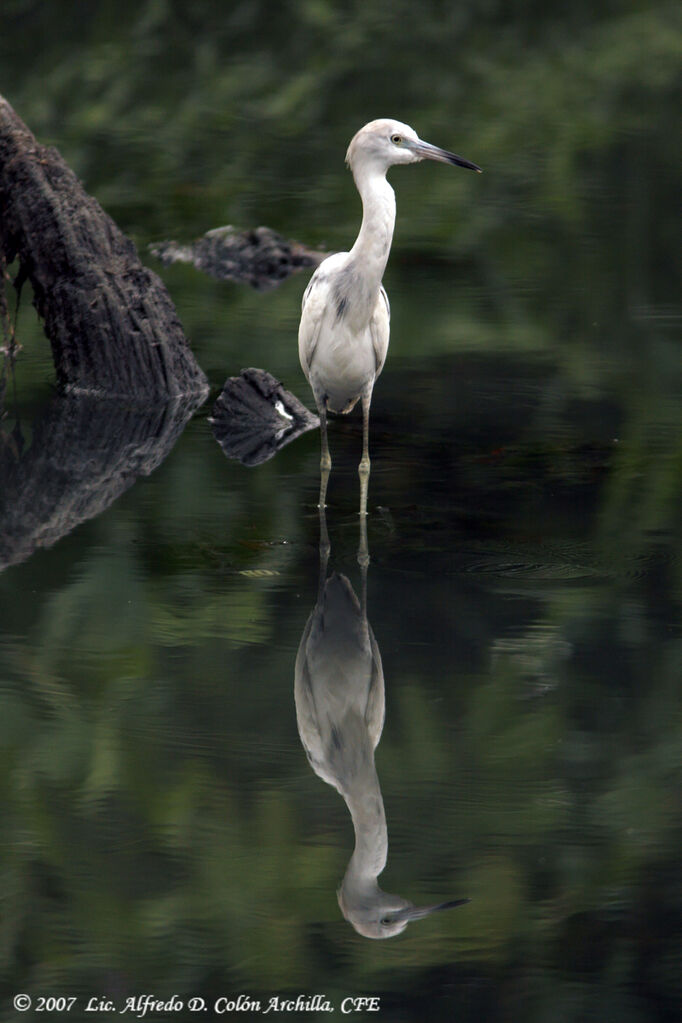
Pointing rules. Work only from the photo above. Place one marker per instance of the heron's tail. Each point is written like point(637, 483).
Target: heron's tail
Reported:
point(348, 407)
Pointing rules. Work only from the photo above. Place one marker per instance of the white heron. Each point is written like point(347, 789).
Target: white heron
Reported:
point(344, 329)
point(340, 707)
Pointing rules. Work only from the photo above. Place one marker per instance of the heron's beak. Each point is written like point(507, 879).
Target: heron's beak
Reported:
point(425, 151)
point(419, 912)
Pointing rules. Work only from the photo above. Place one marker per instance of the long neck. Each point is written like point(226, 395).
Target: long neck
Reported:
point(373, 244)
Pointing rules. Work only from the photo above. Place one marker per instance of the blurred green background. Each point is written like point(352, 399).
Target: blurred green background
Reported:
point(162, 829)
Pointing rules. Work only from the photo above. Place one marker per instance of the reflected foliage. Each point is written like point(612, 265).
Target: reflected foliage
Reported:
point(163, 829)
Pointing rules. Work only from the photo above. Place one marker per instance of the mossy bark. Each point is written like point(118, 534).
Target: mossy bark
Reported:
point(110, 321)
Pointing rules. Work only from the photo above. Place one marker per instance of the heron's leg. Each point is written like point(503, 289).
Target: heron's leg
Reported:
point(363, 468)
point(325, 457)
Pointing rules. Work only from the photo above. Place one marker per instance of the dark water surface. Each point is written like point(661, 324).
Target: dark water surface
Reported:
point(163, 830)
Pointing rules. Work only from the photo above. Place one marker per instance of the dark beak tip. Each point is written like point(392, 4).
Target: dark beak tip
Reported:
point(459, 161)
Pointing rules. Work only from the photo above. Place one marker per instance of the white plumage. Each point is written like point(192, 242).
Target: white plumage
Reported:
point(345, 320)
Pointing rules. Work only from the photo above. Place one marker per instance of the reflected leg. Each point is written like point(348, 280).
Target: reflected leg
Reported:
point(325, 548)
point(363, 554)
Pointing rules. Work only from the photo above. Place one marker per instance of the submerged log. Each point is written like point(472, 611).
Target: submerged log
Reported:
point(254, 416)
point(261, 258)
point(110, 321)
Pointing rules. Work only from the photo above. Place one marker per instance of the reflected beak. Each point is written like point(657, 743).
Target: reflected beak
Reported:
point(419, 912)
point(425, 151)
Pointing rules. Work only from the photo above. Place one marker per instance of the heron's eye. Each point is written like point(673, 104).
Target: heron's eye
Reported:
point(397, 140)
point(386, 920)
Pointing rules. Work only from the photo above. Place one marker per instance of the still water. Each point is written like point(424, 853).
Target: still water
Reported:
point(500, 680)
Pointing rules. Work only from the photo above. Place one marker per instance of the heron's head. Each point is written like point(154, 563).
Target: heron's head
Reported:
point(383, 143)
point(381, 915)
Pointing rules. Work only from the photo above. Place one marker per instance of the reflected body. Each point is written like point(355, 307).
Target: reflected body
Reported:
point(345, 320)
point(340, 707)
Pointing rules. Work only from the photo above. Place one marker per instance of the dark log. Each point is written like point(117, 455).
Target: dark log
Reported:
point(254, 416)
point(261, 258)
point(110, 321)
point(84, 453)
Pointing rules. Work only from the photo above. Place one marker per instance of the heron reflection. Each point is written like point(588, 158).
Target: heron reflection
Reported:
point(340, 706)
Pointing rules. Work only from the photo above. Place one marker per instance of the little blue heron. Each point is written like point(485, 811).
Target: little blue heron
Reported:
point(343, 335)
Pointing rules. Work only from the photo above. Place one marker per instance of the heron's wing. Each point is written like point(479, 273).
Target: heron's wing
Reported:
point(315, 305)
point(376, 702)
point(384, 296)
point(380, 328)
point(304, 697)
point(310, 728)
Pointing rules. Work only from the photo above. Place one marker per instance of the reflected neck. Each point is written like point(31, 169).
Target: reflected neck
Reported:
point(366, 806)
